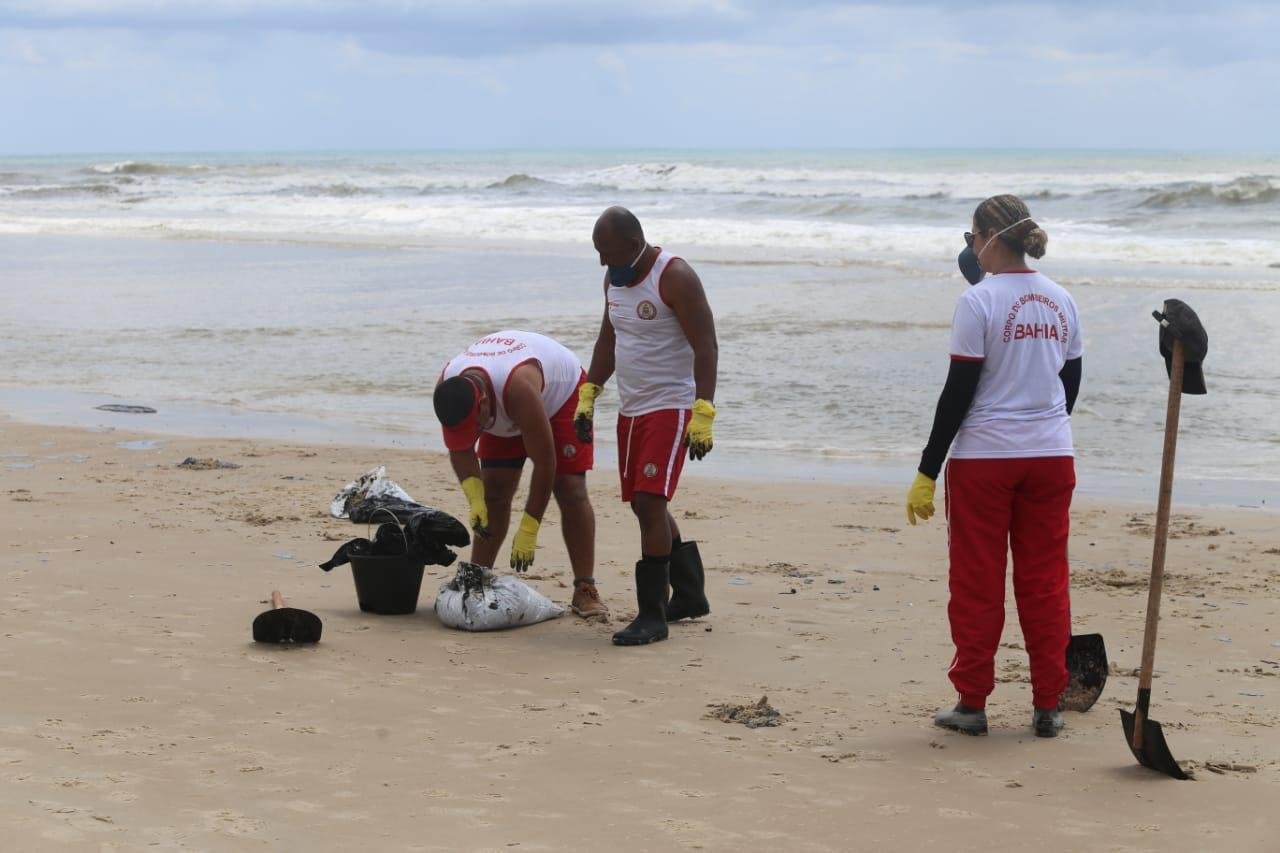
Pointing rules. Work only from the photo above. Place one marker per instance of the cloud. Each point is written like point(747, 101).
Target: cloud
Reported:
point(739, 73)
point(1194, 32)
point(492, 26)
point(455, 27)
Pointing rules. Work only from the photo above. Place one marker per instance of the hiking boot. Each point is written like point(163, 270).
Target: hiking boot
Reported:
point(688, 584)
point(586, 600)
point(650, 624)
point(1047, 723)
point(963, 719)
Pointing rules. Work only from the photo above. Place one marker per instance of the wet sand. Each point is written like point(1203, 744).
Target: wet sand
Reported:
point(138, 714)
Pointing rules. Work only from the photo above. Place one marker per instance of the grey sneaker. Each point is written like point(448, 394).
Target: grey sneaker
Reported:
point(1047, 723)
point(966, 720)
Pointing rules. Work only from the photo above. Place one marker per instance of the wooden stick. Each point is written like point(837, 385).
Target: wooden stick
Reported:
point(277, 600)
point(1162, 536)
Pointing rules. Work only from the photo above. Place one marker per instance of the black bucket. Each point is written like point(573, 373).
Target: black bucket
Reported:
point(388, 585)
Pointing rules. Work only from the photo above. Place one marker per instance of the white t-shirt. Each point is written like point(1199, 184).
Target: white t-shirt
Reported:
point(1024, 328)
point(503, 353)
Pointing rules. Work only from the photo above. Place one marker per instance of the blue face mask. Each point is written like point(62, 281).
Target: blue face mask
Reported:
point(970, 262)
point(969, 266)
point(626, 276)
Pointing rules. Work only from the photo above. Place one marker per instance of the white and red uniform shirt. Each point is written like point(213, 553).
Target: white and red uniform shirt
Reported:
point(1024, 328)
point(652, 357)
point(500, 354)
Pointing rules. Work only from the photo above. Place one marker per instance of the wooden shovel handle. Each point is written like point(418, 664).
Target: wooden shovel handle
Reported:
point(1162, 515)
point(277, 600)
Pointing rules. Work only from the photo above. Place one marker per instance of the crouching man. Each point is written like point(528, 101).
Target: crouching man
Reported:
point(509, 397)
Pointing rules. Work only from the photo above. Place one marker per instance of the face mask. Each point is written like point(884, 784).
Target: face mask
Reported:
point(969, 266)
point(624, 276)
point(970, 262)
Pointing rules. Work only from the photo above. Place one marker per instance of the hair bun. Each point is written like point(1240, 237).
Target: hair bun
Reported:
point(1035, 241)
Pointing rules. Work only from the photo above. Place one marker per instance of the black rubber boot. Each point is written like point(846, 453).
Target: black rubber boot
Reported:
point(688, 584)
point(1047, 722)
point(962, 718)
point(650, 624)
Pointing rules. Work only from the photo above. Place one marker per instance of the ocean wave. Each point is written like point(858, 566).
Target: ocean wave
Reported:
point(396, 223)
point(341, 189)
point(696, 178)
point(63, 191)
point(239, 334)
point(1246, 190)
point(520, 181)
point(11, 178)
point(132, 167)
point(776, 186)
point(787, 326)
point(823, 181)
point(1048, 195)
point(815, 208)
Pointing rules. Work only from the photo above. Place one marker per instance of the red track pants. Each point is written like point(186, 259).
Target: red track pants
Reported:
point(993, 506)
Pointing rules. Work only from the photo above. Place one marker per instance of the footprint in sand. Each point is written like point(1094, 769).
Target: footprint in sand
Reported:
point(436, 793)
point(892, 809)
point(960, 813)
point(231, 822)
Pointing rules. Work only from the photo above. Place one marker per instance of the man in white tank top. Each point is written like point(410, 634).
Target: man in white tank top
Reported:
point(511, 396)
point(659, 337)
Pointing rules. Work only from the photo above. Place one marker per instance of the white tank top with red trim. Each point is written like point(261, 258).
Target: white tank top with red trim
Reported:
point(652, 357)
point(501, 353)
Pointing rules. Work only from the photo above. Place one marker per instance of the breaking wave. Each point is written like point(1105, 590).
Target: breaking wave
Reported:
point(64, 191)
point(520, 181)
point(341, 189)
point(1247, 190)
point(131, 167)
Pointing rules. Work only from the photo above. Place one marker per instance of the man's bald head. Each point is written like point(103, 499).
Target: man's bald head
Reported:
point(620, 222)
point(617, 236)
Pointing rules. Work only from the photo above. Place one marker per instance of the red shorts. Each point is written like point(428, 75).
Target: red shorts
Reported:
point(651, 452)
point(572, 455)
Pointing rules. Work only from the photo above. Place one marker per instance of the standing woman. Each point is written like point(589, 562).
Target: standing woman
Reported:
point(1004, 413)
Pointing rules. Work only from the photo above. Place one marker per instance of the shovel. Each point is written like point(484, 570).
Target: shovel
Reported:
point(283, 624)
point(1145, 738)
point(1087, 668)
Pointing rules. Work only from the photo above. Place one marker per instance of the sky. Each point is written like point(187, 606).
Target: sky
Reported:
point(270, 75)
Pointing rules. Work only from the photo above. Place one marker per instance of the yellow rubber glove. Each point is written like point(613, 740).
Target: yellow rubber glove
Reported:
point(920, 498)
point(525, 543)
point(584, 415)
point(473, 488)
point(698, 435)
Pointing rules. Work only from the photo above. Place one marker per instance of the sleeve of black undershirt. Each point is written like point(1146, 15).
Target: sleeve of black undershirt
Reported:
point(953, 405)
point(1070, 376)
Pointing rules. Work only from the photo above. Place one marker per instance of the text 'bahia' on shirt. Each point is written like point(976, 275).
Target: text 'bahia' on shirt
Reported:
point(1023, 327)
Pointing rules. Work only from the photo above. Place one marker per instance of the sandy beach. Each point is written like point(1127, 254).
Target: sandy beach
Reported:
point(255, 237)
point(139, 715)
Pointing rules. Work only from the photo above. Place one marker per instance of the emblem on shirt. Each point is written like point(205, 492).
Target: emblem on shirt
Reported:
point(646, 310)
point(651, 470)
point(569, 451)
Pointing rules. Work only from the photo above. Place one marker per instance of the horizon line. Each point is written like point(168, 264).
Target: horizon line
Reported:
point(696, 149)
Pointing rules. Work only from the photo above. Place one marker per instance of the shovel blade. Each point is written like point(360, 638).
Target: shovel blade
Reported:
point(287, 625)
point(1087, 669)
point(1154, 752)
